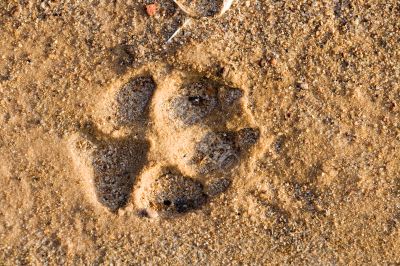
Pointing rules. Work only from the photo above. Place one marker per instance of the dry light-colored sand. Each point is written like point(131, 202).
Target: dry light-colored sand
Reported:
point(266, 136)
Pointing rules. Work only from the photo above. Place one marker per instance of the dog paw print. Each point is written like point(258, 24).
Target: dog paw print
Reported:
point(167, 144)
point(126, 104)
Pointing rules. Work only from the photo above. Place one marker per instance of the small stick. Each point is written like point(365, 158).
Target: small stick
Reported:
point(226, 5)
point(186, 22)
point(185, 9)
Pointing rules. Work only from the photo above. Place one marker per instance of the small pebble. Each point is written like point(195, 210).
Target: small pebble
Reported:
point(151, 9)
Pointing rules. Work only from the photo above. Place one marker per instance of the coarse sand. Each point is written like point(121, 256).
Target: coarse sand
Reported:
point(269, 135)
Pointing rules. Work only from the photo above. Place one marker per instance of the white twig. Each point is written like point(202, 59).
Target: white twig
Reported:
point(226, 5)
point(185, 23)
point(192, 14)
point(185, 9)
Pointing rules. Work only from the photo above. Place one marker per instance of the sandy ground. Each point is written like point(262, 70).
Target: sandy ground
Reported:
point(270, 135)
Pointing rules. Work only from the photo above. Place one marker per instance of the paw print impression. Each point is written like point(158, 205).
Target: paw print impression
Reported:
point(169, 194)
point(221, 151)
point(203, 101)
point(133, 98)
point(200, 125)
point(167, 149)
point(126, 104)
point(110, 164)
point(109, 167)
point(195, 102)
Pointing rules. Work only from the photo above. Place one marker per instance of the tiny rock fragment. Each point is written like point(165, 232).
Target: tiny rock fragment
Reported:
point(151, 9)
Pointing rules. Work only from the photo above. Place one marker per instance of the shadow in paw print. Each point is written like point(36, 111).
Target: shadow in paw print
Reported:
point(216, 151)
point(246, 138)
point(221, 151)
point(216, 186)
point(197, 101)
point(122, 57)
point(116, 165)
point(228, 96)
point(132, 99)
point(172, 194)
point(109, 165)
point(125, 105)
